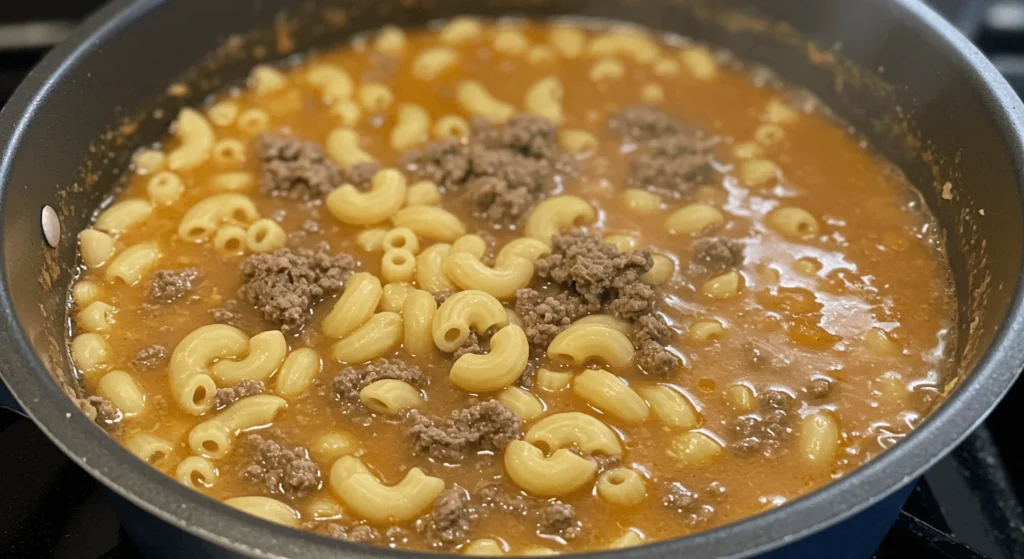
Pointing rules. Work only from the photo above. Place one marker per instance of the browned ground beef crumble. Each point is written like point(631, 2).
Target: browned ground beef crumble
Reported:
point(643, 123)
point(819, 388)
point(603, 275)
point(694, 508)
point(294, 168)
point(280, 470)
point(229, 395)
point(715, 256)
point(559, 519)
point(503, 169)
point(355, 534)
point(168, 286)
point(673, 158)
point(351, 380)
point(487, 426)
point(597, 276)
point(475, 344)
point(100, 410)
point(150, 357)
point(451, 518)
point(764, 432)
point(545, 316)
point(284, 285)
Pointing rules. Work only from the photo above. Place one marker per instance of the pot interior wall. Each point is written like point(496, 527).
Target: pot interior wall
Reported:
point(922, 112)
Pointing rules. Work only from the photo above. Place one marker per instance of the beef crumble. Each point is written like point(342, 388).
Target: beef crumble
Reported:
point(715, 256)
point(295, 169)
point(451, 518)
point(643, 123)
point(150, 357)
point(284, 285)
point(544, 317)
point(695, 508)
point(673, 165)
point(168, 286)
point(474, 344)
point(229, 395)
point(559, 519)
point(596, 276)
point(765, 432)
point(819, 388)
point(487, 426)
point(351, 380)
point(503, 169)
point(599, 272)
point(280, 470)
point(657, 360)
point(356, 534)
point(673, 159)
point(99, 410)
point(361, 175)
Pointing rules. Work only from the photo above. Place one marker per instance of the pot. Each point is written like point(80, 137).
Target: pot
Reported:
point(924, 97)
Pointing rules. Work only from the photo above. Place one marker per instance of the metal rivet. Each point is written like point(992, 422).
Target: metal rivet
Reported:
point(51, 226)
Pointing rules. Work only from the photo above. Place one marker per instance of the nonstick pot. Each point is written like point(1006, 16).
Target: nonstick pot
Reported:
point(922, 95)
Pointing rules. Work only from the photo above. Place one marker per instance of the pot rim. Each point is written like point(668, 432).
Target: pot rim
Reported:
point(117, 469)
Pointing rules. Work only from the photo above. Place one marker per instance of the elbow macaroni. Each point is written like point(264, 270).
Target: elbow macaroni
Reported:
point(385, 197)
point(380, 335)
point(556, 214)
point(582, 343)
point(364, 494)
point(502, 366)
point(464, 310)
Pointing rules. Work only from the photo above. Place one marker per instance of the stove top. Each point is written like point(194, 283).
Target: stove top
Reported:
point(969, 506)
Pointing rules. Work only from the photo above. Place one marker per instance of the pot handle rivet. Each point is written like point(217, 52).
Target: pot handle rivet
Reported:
point(51, 226)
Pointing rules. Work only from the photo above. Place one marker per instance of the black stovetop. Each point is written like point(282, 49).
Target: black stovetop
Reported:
point(969, 506)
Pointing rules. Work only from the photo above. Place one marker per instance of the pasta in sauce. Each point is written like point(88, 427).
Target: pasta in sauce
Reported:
point(510, 289)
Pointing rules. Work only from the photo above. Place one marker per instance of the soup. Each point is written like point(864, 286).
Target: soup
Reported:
point(521, 288)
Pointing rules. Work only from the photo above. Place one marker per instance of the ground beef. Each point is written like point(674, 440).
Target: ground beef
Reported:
point(634, 299)
point(441, 296)
point(280, 470)
point(295, 169)
point(674, 165)
point(559, 519)
point(528, 377)
point(694, 508)
point(651, 327)
point(764, 433)
point(361, 175)
point(503, 169)
point(495, 200)
point(715, 256)
point(355, 534)
point(100, 410)
point(493, 496)
point(487, 426)
point(227, 396)
point(451, 518)
point(351, 380)
point(656, 360)
point(545, 316)
point(603, 275)
point(168, 286)
point(228, 314)
point(284, 285)
point(150, 357)
point(444, 162)
point(474, 344)
point(643, 123)
point(819, 388)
